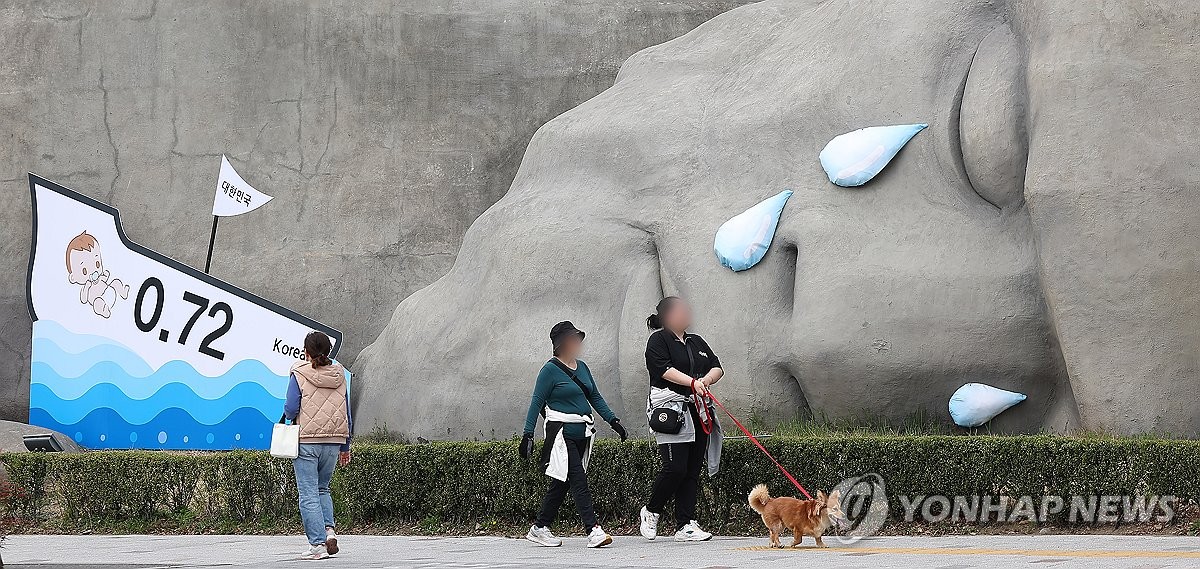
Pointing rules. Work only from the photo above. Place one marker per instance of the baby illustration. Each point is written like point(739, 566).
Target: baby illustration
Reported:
point(85, 267)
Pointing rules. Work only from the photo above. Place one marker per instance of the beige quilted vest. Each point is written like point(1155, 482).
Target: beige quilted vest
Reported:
point(323, 417)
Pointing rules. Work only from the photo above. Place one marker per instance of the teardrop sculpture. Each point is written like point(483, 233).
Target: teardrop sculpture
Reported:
point(742, 241)
point(854, 158)
point(974, 404)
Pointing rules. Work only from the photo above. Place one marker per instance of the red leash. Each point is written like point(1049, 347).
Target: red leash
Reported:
point(750, 436)
point(706, 420)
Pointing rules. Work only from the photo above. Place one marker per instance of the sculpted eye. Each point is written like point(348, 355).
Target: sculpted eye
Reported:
point(852, 159)
point(992, 118)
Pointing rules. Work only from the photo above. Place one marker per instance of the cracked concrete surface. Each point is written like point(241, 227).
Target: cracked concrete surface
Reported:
point(116, 152)
point(382, 129)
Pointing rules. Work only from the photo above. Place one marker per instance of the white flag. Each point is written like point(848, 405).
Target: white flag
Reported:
point(234, 195)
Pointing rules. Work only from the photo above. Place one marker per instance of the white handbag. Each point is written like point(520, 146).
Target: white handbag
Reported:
point(285, 440)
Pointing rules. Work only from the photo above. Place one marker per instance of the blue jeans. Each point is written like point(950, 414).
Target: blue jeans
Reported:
point(314, 469)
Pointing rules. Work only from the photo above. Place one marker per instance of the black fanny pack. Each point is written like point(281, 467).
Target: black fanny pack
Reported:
point(666, 420)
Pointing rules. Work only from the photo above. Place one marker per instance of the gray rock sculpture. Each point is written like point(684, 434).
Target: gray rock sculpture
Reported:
point(12, 437)
point(1041, 236)
point(382, 129)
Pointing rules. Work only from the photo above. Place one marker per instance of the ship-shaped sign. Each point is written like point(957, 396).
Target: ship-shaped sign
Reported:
point(133, 349)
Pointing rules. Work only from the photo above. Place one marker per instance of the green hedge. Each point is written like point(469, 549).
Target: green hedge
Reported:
point(451, 486)
point(132, 488)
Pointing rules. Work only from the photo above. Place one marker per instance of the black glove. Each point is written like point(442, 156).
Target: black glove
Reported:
point(616, 425)
point(526, 447)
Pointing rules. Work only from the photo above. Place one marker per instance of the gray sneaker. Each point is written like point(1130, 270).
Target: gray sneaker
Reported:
point(542, 537)
point(315, 552)
point(649, 524)
point(598, 537)
point(692, 532)
point(331, 541)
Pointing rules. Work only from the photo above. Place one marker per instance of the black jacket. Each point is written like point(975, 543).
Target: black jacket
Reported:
point(692, 356)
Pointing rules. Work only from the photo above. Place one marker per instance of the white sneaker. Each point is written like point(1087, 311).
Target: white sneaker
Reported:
point(692, 532)
point(331, 541)
point(315, 552)
point(598, 538)
point(542, 537)
point(649, 524)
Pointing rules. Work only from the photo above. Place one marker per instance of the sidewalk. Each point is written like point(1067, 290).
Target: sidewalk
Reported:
point(958, 552)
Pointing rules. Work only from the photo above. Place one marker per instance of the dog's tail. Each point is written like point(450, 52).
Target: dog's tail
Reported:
point(759, 497)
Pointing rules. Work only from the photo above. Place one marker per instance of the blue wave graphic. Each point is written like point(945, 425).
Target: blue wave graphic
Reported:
point(141, 411)
point(173, 429)
point(103, 395)
point(176, 371)
point(69, 341)
point(74, 364)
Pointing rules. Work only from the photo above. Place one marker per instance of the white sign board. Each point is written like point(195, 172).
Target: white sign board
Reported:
point(133, 349)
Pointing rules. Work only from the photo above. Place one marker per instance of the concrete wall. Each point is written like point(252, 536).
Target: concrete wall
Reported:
point(383, 129)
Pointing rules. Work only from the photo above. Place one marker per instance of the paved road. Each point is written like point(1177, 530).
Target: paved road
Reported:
point(960, 552)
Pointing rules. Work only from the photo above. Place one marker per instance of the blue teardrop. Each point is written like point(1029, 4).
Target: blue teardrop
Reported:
point(852, 159)
point(742, 241)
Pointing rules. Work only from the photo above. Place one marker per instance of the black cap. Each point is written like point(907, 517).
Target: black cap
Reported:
point(562, 330)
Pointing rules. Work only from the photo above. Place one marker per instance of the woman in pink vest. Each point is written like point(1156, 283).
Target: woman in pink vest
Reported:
point(317, 400)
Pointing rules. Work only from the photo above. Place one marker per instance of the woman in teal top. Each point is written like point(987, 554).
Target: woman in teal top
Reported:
point(565, 394)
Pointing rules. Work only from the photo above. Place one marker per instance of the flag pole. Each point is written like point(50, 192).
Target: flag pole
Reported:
point(212, 238)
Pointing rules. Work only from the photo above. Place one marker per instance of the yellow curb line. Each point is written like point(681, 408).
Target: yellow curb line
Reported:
point(968, 551)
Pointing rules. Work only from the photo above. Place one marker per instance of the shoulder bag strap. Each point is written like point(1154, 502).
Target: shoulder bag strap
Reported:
point(691, 358)
point(570, 373)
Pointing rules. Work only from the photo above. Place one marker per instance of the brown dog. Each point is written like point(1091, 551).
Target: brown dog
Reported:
point(803, 517)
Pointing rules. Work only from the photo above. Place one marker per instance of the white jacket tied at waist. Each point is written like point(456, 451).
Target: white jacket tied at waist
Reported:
point(557, 469)
point(662, 397)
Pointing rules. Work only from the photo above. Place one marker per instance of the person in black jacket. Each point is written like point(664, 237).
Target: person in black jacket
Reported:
point(679, 364)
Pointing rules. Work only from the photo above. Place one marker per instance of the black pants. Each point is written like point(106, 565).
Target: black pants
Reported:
point(680, 475)
point(576, 481)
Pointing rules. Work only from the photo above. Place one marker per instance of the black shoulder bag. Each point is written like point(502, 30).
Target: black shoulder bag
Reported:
point(666, 420)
